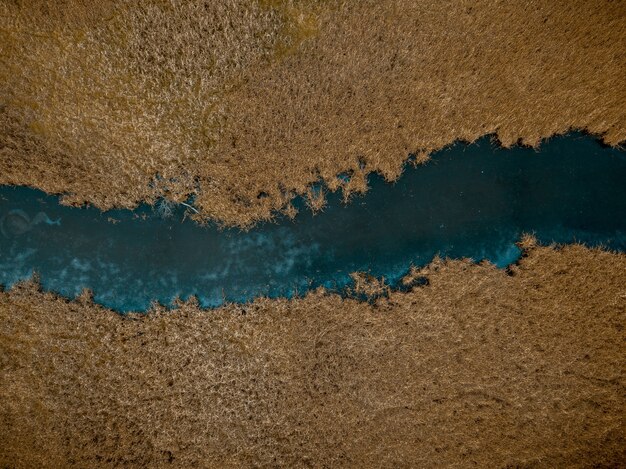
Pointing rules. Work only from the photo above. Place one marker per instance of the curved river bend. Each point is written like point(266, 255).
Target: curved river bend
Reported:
point(470, 201)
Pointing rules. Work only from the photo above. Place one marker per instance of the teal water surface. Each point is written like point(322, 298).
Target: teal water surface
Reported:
point(469, 201)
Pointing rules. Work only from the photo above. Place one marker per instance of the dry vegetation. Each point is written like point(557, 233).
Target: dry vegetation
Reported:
point(112, 101)
point(480, 367)
point(245, 103)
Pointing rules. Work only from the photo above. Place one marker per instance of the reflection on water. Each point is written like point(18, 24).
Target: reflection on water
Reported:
point(469, 201)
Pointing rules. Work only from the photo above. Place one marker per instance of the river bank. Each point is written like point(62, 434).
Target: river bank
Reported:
point(480, 366)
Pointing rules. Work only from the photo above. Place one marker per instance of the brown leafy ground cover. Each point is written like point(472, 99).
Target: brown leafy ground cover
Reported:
point(480, 367)
point(245, 103)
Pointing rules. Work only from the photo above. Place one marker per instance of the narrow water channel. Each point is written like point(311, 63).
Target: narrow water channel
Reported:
point(470, 201)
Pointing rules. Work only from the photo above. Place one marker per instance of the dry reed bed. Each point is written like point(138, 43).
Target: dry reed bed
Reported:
point(479, 367)
point(245, 103)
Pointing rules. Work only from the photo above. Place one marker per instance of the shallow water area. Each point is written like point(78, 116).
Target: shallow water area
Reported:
point(469, 201)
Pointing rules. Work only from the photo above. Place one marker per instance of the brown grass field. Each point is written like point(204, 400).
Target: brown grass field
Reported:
point(244, 104)
point(479, 368)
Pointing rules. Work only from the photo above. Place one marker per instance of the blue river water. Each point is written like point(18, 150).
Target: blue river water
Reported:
point(470, 201)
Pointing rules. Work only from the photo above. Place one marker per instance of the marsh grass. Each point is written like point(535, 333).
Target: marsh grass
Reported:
point(233, 98)
point(415, 378)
